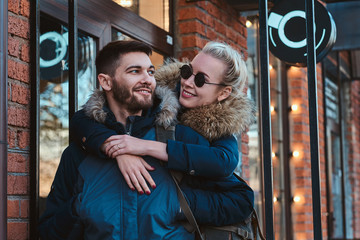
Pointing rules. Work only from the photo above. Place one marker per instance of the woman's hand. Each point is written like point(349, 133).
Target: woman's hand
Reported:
point(135, 171)
point(124, 144)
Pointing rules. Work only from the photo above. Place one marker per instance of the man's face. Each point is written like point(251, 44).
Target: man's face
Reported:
point(134, 83)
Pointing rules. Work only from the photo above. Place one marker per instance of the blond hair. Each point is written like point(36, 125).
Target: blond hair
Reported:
point(236, 73)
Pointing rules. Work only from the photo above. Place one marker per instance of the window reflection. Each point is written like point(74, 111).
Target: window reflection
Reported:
point(54, 94)
point(155, 11)
point(255, 169)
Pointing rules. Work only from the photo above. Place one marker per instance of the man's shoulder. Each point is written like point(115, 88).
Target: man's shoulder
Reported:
point(74, 154)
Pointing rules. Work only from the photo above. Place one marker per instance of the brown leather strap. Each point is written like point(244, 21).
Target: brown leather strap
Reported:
point(186, 209)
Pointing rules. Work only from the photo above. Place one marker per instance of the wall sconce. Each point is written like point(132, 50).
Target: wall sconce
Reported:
point(294, 108)
point(294, 154)
point(124, 3)
point(273, 154)
point(296, 199)
point(270, 67)
point(275, 199)
point(273, 109)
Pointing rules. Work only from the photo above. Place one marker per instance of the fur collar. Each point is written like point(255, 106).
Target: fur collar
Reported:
point(231, 116)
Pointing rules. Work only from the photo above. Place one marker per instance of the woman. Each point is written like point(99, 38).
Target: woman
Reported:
point(213, 104)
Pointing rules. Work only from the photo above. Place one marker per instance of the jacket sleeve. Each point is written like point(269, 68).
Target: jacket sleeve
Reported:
point(223, 202)
point(88, 133)
point(59, 220)
point(192, 154)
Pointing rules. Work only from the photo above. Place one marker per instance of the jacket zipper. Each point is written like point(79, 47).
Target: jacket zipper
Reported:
point(129, 124)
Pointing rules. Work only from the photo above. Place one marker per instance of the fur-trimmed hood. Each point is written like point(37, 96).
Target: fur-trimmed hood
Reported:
point(231, 116)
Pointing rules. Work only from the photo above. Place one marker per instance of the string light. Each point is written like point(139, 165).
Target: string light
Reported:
point(295, 153)
point(296, 199)
point(294, 107)
point(272, 109)
point(248, 23)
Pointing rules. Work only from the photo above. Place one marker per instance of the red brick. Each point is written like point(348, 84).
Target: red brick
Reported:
point(25, 52)
point(188, 54)
point(11, 138)
point(24, 139)
point(191, 41)
point(25, 8)
point(244, 137)
point(18, 117)
point(14, 6)
point(18, 163)
point(211, 34)
point(13, 47)
point(18, 185)
point(18, 71)
point(20, 94)
point(13, 208)
point(191, 13)
point(24, 208)
point(245, 149)
point(212, 10)
point(220, 28)
point(17, 231)
point(19, 27)
point(192, 26)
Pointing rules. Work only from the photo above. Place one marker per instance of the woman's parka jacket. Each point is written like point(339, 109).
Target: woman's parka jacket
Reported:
point(101, 206)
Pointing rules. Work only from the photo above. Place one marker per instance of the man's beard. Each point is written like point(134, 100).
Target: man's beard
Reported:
point(133, 104)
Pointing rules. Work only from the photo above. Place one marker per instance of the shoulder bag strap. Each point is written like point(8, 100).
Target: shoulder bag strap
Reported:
point(163, 135)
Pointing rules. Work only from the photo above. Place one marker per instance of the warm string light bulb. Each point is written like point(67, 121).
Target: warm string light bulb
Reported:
point(296, 199)
point(272, 109)
point(273, 154)
point(275, 199)
point(270, 67)
point(294, 107)
point(248, 23)
point(295, 153)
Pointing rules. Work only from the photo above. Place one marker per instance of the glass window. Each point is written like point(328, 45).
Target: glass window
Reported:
point(155, 11)
point(255, 163)
point(54, 94)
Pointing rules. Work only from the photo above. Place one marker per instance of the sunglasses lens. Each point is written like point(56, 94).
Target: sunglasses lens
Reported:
point(199, 80)
point(185, 71)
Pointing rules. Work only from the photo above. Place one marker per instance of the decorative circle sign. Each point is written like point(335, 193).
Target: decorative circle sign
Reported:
point(287, 32)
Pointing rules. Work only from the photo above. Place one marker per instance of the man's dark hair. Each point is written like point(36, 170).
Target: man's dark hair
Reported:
point(109, 56)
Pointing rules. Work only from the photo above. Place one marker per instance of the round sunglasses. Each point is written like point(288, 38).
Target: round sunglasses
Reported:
point(186, 72)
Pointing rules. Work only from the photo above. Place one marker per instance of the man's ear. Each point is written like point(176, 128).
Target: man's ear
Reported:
point(105, 81)
point(225, 93)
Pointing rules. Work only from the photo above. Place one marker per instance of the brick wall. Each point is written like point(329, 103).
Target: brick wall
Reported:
point(300, 167)
point(18, 118)
point(200, 22)
point(353, 139)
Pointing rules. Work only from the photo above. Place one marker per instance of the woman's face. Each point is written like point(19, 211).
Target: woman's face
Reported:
point(192, 96)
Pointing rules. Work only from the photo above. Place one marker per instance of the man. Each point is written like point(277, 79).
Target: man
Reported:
point(89, 198)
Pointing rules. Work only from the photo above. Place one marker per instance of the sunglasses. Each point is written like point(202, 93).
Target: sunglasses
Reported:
point(186, 72)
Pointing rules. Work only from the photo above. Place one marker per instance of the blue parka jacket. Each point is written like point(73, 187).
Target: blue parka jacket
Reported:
point(101, 206)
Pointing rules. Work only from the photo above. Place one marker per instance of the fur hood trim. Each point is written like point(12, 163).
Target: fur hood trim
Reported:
point(169, 106)
point(231, 116)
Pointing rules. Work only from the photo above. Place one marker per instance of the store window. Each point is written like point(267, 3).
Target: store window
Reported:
point(255, 163)
point(155, 11)
point(54, 93)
